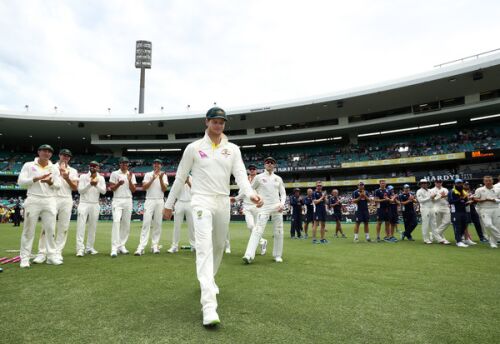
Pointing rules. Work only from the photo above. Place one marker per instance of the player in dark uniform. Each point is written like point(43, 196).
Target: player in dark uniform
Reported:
point(335, 205)
point(319, 201)
point(17, 215)
point(360, 197)
point(458, 199)
point(473, 216)
point(393, 213)
point(296, 204)
point(308, 202)
point(407, 201)
point(382, 200)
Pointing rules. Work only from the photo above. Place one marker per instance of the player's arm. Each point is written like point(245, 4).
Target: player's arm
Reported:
point(164, 183)
point(114, 183)
point(148, 181)
point(101, 184)
point(84, 185)
point(25, 179)
point(282, 194)
point(131, 182)
point(183, 170)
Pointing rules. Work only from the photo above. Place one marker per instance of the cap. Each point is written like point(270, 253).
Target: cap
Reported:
point(423, 180)
point(296, 189)
point(124, 159)
point(458, 180)
point(157, 161)
point(390, 187)
point(252, 166)
point(269, 159)
point(94, 163)
point(216, 112)
point(47, 147)
point(466, 182)
point(361, 183)
point(406, 186)
point(65, 152)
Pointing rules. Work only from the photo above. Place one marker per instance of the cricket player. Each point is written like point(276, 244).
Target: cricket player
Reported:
point(473, 217)
point(64, 205)
point(183, 210)
point(122, 182)
point(272, 190)
point(319, 201)
point(211, 161)
point(439, 196)
point(360, 198)
point(250, 210)
point(393, 213)
point(488, 205)
point(426, 211)
point(42, 180)
point(90, 186)
point(155, 183)
point(308, 202)
point(407, 200)
point(296, 206)
point(382, 201)
point(458, 199)
point(336, 207)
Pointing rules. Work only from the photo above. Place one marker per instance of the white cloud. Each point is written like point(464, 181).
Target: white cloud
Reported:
point(79, 55)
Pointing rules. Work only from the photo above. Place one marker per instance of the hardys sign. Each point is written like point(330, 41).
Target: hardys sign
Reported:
point(449, 177)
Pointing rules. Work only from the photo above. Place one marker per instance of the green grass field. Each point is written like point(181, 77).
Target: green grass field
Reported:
point(337, 293)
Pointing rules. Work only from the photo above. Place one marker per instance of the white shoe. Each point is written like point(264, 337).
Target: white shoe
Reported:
point(123, 250)
point(469, 242)
point(113, 254)
point(54, 261)
point(444, 242)
point(461, 244)
point(210, 317)
point(25, 263)
point(428, 242)
point(216, 289)
point(138, 252)
point(155, 250)
point(79, 253)
point(228, 250)
point(247, 260)
point(173, 249)
point(92, 251)
point(263, 247)
point(278, 259)
point(493, 246)
point(39, 259)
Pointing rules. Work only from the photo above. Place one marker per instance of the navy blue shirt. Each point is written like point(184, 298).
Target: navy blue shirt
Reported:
point(407, 208)
point(296, 204)
point(362, 203)
point(318, 195)
point(457, 203)
point(381, 193)
point(308, 201)
point(336, 208)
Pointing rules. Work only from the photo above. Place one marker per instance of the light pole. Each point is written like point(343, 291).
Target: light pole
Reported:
point(142, 60)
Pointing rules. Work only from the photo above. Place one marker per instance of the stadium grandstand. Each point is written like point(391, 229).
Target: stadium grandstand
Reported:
point(440, 124)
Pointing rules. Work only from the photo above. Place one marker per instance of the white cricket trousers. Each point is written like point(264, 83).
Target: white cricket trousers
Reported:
point(490, 219)
point(251, 220)
point(211, 216)
point(428, 223)
point(64, 206)
point(153, 213)
point(258, 230)
point(443, 220)
point(35, 207)
point(183, 209)
point(88, 214)
point(122, 212)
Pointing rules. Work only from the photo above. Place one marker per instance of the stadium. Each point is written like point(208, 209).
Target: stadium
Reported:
point(439, 126)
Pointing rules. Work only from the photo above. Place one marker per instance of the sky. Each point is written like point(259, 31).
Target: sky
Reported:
point(79, 56)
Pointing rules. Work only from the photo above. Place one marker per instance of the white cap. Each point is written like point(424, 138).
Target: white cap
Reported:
point(423, 180)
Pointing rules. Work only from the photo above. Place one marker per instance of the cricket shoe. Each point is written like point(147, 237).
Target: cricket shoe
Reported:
point(228, 250)
point(356, 240)
point(173, 249)
point(39, 259)
point(278, 259)
point(80, 253)
point(428, 242)
point(92, 251)
point(323, 241)
point(263, 247)
point(445, 242)
point(393, 239)
point(113, 254)
point(368, 240)
point(123, 250)
point(138, 252)
point(493, 245)
point(484, 240)
point(155, 250)
point(469, 242)
point(210, 317)
point(387, 239)
point(247, 260)
point(54, 261)
point(315, 241)
point(461, 244)
point(25, 263)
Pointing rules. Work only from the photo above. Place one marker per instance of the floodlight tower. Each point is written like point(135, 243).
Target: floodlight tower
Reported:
point(142, 60)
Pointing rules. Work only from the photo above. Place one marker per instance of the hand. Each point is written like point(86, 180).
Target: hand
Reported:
point(167, 214)
point(162, 174)
point(129, 176)
point(93, 182)
point(232, 199)
point(281, 208)
point(64, 173)
point(36, 179)
point(443, 193)
point(257, 200)
point(47, 181)
point(121, 182)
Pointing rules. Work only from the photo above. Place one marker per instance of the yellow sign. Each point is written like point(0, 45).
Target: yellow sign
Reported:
point(354, 182)
point(401, 161)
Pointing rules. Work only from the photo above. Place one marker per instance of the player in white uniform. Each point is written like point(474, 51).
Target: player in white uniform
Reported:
point(90, 186)
point(439, 196)
point(272, 190)
point(42, 180)
point(250, 210)
point(183, 210)
point(122, 182)
point(64, 205)
point(426, 210)
point(488, 206)
point(211, 161)
point(155, 183)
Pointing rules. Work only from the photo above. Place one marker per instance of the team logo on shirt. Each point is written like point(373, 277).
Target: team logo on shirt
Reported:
point(199, 213)
point(202, 154)
point(264, 180)
point(226, 152)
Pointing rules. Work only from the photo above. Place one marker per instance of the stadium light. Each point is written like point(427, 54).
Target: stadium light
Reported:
point(398, 130)
point(448, 123)
point(154, 150)
point(143, 51)
point(484, 117)
point(428, 126)
point(249, 146)
point(27, 107)
point(369, 134)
